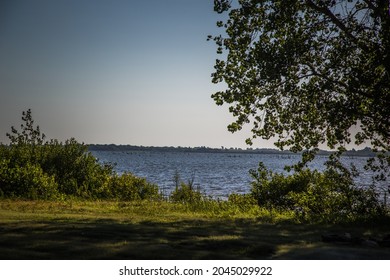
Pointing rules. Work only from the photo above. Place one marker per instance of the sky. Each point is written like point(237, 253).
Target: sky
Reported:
point(114, 72)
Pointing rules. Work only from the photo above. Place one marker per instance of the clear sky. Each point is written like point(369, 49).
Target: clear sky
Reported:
point(113, 71)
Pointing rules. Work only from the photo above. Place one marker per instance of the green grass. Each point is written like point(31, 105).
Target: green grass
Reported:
point(162, 230)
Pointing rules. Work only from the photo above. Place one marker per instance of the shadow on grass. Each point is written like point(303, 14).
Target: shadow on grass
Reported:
point(188, 239)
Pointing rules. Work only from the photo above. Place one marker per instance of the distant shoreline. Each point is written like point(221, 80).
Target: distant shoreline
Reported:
point(366, 152)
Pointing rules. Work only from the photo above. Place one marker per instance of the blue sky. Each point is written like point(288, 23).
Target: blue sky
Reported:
point(113, 71)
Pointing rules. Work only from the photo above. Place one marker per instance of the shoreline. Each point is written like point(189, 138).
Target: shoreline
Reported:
point(366, 152)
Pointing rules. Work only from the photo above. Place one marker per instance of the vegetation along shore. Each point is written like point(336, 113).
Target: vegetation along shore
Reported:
point(58, 202)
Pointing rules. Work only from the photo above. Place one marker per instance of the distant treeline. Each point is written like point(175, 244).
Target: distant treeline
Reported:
point(366, 152)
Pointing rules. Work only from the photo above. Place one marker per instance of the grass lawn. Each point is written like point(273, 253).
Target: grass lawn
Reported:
point(161, 230)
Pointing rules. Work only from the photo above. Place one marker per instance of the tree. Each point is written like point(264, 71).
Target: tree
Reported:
point(307, 72)
point(29, 135)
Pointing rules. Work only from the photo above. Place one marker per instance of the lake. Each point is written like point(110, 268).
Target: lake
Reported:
point(215, 174)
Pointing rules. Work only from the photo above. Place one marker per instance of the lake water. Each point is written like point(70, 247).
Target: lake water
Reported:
point(215, 174)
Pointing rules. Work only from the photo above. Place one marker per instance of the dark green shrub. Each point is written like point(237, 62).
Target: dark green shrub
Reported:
point(77, 171)
point(31, 167)
point(329, 196)
point(128, 187)
point(28, 181)
point(273, 189)
point(186, 193)
point(328, 200)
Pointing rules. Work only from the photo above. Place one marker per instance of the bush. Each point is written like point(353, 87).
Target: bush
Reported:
point(31, 167)
point(329, 196)
point(77, 171)
point(28, 181)
point(186, 193)
point(273, 189)
point(128, 187)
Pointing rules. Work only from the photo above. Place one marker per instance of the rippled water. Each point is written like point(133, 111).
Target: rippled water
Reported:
point(216, 174)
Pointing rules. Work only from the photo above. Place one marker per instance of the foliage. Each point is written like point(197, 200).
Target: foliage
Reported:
point(244, 201)
point(329, 196)
point(380, 166)
point(272, 189)
point(29, 135)
point(31, 167)
point(307, 72)
point(28, 181)
point(128, 187)
point(186, 193)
